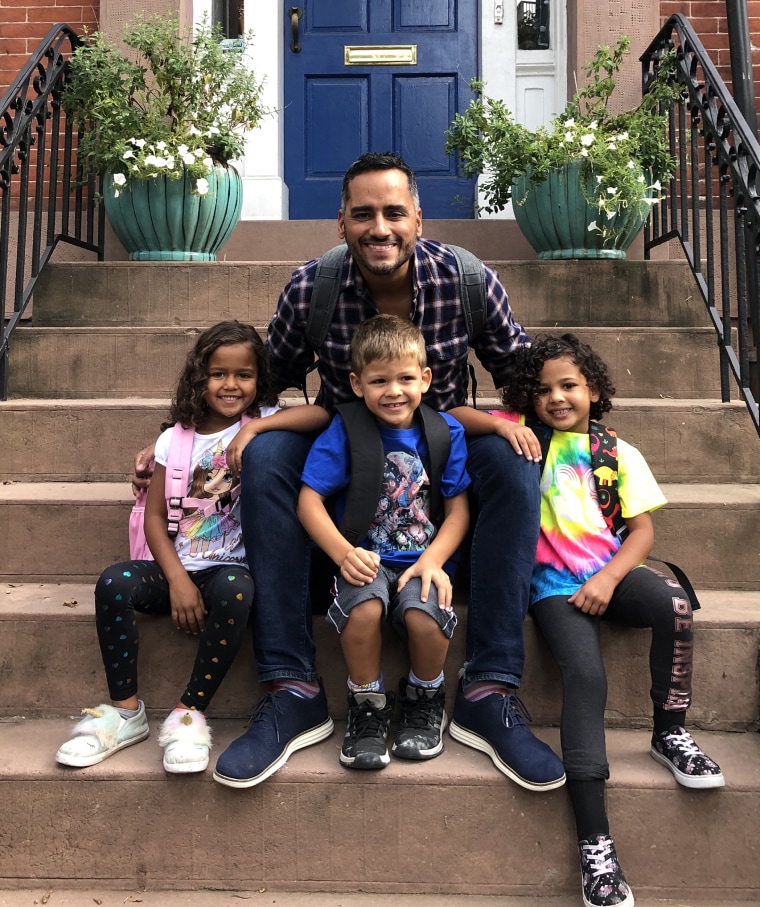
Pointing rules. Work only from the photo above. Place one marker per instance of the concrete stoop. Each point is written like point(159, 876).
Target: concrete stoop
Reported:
point(91, 520)
point(41, 625)
point(452, 825)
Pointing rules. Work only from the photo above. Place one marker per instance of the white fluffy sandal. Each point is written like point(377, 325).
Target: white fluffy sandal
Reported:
point(186, 739)
point(101, 734)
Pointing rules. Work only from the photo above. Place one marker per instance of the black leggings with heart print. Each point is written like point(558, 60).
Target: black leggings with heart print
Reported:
point(133, 586)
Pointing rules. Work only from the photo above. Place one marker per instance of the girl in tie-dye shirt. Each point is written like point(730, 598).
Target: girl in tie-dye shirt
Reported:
point(584, 573)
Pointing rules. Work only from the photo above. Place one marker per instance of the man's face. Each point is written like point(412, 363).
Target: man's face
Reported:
point(380, 222)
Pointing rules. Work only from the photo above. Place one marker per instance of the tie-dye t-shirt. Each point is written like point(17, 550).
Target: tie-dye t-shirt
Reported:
point(574, 542)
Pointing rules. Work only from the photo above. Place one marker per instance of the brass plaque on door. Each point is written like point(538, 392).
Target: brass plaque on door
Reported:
point(380, 54)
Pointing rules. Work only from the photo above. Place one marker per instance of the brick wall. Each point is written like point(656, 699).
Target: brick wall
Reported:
point(24, 25)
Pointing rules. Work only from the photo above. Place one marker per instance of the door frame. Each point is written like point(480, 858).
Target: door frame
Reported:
point(265, 195)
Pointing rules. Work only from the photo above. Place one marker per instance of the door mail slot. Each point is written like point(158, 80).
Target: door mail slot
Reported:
point(380, 54)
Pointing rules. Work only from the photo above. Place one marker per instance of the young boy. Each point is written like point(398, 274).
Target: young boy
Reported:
point(398, 554)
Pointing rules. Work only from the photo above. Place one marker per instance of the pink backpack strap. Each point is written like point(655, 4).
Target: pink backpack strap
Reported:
point(177, 475)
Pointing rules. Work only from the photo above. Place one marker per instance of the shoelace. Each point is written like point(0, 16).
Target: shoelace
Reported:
point(257, 713)
point(417, 712)
point(599, 857)
point(368, 721)
point(683, 742)
point(513, 711)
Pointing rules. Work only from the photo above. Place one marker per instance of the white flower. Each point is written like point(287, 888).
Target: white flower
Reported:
point(611, 190)
point(631, 165)
point(587, 140)
point(160, 146)
point(212, 130)
point(182, 150)
point(195, 131)
point(170, 162)
point(657, 186)
point(584, 152)
point(151, 160)
point(128, 154)
point(593, 125)
point(119, 179)
point(199, 152)
point(201, 186)
point(592, 226)
point(139, 143)
point(188, 158)
point(570, 123)
point(568, 136)
point(208, 163)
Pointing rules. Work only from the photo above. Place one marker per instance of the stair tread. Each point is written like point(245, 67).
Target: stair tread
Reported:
point(727, 608)
point(27, 748)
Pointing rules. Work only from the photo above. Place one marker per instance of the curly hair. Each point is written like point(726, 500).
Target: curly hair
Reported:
point(188, 407)
point(520, 392)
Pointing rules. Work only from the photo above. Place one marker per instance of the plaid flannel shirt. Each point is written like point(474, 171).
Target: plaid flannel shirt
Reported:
point(436, 310)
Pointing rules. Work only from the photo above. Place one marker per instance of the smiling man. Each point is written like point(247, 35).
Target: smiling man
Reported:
point(390, 269)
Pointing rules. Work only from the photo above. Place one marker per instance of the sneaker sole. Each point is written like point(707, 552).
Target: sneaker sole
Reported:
point(480, 743)
point(423, 754)
point(307, 738)
point(695, 782)
point(86, 761)
point(366, 762)
point(185, 768)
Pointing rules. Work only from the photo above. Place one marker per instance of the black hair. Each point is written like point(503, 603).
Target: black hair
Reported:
point(188, 407)
point(379, 160)
point(520, 392)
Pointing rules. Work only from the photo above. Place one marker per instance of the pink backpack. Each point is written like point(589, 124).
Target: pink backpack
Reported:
point(177, 475)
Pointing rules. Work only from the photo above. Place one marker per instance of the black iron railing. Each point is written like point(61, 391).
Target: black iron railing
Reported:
point(43, 199)
point(712, 204)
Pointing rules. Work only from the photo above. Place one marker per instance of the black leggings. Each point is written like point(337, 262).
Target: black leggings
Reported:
point(122, 589)
point(644, 598)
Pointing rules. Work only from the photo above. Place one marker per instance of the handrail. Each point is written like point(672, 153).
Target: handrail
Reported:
point(38, 178)
point(715, 147)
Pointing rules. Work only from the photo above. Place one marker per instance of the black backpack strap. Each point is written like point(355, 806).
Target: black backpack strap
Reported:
point(438, 440)
point(367, 460)
point(472, 290)
point(324, 295)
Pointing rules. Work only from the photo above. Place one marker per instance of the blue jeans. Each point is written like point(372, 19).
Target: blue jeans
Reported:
point(506, 510)
point(278, 555)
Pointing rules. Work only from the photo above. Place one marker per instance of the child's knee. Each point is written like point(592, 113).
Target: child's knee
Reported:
point(365, 617)
point(421, 626)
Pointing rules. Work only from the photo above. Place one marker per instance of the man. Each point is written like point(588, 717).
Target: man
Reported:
point(390, 269)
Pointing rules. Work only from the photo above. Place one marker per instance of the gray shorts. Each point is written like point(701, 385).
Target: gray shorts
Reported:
point(383, 587)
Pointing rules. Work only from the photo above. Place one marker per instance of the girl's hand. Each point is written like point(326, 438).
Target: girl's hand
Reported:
point(360, 566)
point(188, 610)
point(594, 595)
point(434, 575)
point(237, 445)
point(143, 471)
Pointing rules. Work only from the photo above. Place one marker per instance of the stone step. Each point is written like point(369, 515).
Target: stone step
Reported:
point(318, 827)
point(145, 361)
point(95, 439)
point(546, 294)
point(68, 531)
point(41, 625)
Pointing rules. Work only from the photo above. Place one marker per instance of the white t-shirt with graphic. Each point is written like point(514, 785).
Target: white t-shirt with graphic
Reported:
point(208, 541)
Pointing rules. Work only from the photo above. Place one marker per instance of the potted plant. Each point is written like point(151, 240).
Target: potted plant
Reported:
point(161, 129)
point(596, 169)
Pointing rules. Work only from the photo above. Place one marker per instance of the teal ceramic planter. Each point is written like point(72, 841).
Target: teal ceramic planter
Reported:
point(554, 217)
point(160, 219)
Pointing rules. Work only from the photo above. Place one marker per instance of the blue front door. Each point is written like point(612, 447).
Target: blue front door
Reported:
point(376, 75)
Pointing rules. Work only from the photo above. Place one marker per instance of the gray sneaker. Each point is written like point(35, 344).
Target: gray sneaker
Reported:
point(101, 734)
point(369, 715)
point(423, 721)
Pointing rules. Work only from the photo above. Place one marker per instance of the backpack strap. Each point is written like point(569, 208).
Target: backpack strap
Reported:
point(324, 295)
point(472, 289)
point(368, 458)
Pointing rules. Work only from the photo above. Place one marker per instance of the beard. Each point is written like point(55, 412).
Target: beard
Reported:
point(379, 268)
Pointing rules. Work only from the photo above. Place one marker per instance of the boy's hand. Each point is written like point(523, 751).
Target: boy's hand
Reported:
point(188, 609)
point(434, 575)
point(143, 470)
point(236, 447)
point(523, 440)
point(360, 566)
point(594, 595)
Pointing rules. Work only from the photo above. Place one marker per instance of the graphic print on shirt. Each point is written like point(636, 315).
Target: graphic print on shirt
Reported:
point(211, 479)
point(402, 520)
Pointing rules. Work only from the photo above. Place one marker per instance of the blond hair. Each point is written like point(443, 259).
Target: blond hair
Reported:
point(386, 337)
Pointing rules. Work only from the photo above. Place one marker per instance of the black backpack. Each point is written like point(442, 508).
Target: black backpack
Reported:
point(368, 457)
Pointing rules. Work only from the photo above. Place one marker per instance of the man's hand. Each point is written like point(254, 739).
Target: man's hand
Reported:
point(143, 469)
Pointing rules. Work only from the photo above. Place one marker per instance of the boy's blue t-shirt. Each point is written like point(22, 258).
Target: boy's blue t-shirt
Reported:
point(402, 527)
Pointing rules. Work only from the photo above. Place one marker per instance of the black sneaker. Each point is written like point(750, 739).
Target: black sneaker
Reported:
point(604, 884)
point(677, 751)
point(423, 721)
point(369, 715)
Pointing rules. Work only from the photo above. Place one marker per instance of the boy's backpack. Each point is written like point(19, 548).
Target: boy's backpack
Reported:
point(604, 463)
point(177, 476)
point(324, 297)
point(368, 457)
